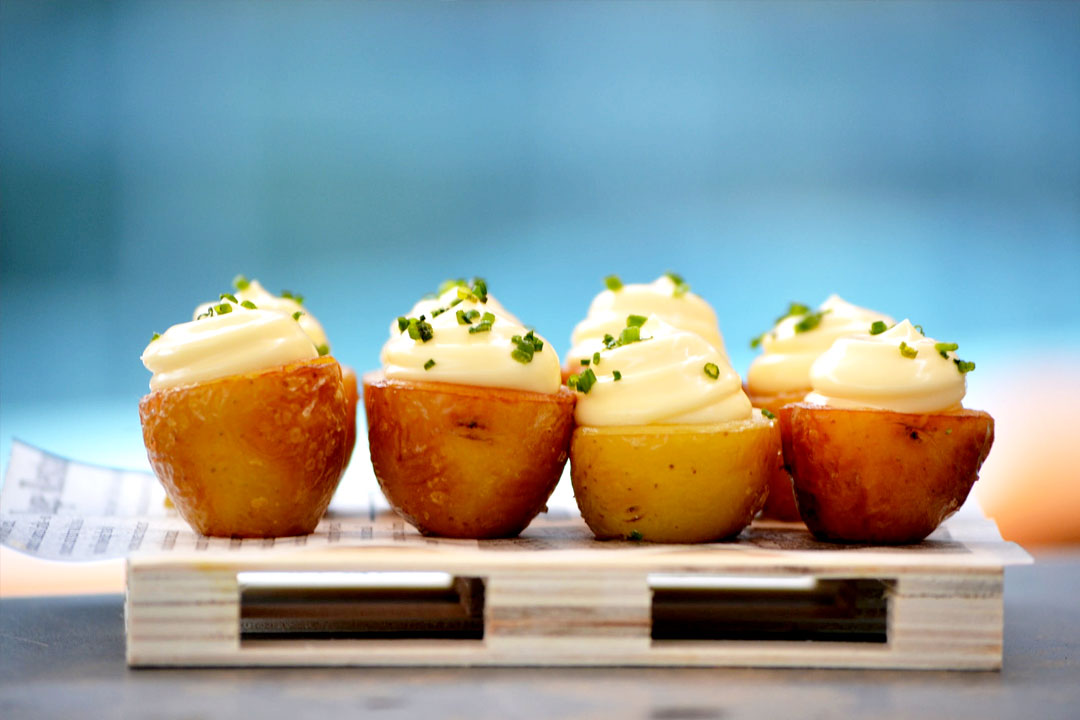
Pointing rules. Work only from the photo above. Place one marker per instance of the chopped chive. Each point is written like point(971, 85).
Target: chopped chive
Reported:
point(613, 283)
point(450, 283)
point(248, 304)
point(521, 356)
point(296, 297)
point(921, 331)
point(878, 327)
point(572, 381)
point(596, 358)
point(585, 381)
point(463, 293)
point(402, 324)
point(944, 349)
point(455, 302)
point(154, 337)
point(463, 318)
point(537, 343)
point(488, 318)
point(675, 278)
point(429, 364)
point(323, 349)
point(907, 351)
point(525, 347)
point(480, 289)
point(437, 312)
point(635, 536)
point(240, 282)
point(635, 320)
point(296, 315)
point(227, 296)
point(629, 335)
point(420, 330)
point(794, 308)
point(609, 341)
point(810, 321)
point(712, 370)
point(680, 290)
point(223, 308)
point(585, 361)
point(617, 375)
point(768, 414)
point(758, 340)
point(964, 366)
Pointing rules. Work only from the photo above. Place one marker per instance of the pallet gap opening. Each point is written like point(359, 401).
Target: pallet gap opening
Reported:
point(360, 606)
point(763, 608)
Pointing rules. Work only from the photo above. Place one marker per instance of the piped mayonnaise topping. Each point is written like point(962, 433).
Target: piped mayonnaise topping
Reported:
point(663, 298)
point(235, 343)
point(455, 355)
point(663, 379)
point(444, 300)
point(255, 293)
point(791, 347)
point(876, 371)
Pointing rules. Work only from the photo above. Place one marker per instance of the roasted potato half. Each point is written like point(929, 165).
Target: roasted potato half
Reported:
point(780, 504)
point(465, 461)
point(254, 455)
point(875, 476)
point(673, 483)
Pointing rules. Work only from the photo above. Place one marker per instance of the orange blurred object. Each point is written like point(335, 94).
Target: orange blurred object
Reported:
point(1030, 484)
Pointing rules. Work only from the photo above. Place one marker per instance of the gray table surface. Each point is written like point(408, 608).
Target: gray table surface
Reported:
point(64, 657)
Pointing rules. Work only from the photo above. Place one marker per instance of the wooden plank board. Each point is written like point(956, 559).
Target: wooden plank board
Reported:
point(555, 597)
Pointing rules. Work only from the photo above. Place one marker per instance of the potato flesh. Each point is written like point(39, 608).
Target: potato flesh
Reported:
point(677, 483)
point(875, 476)
point(254, 455)
point(464, 461)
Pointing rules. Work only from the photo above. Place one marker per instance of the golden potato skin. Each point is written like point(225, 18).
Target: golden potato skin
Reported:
point(874, 476)
point(780, 504)
point(464, 461)
point(352, 400)
point(254, 455)
point(672, 483)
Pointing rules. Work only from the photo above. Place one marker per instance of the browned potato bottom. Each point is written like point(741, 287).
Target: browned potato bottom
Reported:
point(672, 483)
point(875, 476)
point(465, 461)
point(255, 455)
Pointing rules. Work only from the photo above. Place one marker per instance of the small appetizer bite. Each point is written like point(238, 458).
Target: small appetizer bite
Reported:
point(468, 423)
point(667, 448)
point(781, 374)
point(668, 298)
point(246, 425)
point(250, 292)
point(882, 450)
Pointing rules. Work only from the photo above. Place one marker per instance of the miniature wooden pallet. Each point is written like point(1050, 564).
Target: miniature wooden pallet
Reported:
point(775, 598)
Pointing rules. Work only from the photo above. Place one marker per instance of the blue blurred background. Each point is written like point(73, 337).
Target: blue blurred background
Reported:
point(919, 158)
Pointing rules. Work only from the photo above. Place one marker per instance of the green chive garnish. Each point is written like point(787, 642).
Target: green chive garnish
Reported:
point(712, 370)
point(323, 349)
point(223, 308)
point(921, 331)
point(585, 361)
point(609, 341)
point(402, 324)
point(525, 347)
point(437, 312)
point(907, 351)
point(758, 340)
point(429, 364)
point(613, 283)
point(420, 330)
point(810, 321)
point(572, 381)
point(596, 358)
point(964, 366)
point(296, 315)
point(296, 297)
point(154, 337)
point(227, 296)
point(248, 304)
point(768, 414)
point(681, 288)
point(944, 348)
point(240, 282)
point(585, 381)
point(484, 325)
point(794, 308)
point(451, 283)
point(629, 335)
point(635, 536)
point(878, 327)
point(617, 375)
point(635, 320)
